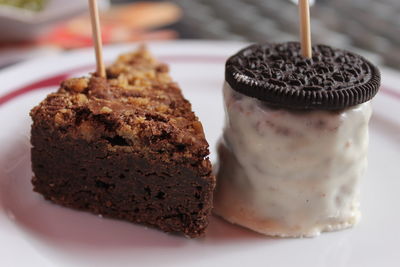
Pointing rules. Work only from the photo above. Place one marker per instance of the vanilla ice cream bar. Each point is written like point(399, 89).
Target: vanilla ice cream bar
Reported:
point(291, 166)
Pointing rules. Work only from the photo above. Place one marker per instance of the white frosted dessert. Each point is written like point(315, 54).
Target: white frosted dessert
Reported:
point(290, 173)
point(294, 146)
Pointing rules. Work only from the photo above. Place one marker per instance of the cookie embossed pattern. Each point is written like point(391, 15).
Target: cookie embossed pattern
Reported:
point(279, 75)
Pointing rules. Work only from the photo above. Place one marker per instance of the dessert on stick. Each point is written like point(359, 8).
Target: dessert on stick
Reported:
point(124, 143)
point(295, 141)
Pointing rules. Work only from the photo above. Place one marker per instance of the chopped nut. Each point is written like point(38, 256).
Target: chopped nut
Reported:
point(186, 139)
point(150, 74)
point(122, 81)
point(198, 127)
point(76, 84)
point(81, 99)
point(62, 116)
point(105, 110)
point(140, 120)
point(127, 132)
point(139, 101)
point(162, 108)
point(59, 119)
point(141, 82)
point(164, 77)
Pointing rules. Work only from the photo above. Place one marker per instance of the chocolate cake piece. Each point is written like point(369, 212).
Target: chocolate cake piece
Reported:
point(126, 147)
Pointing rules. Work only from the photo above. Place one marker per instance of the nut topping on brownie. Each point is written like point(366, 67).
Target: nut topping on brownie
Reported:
point(126, 147)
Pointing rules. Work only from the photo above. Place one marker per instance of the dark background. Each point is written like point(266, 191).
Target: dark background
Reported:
point(371, 28)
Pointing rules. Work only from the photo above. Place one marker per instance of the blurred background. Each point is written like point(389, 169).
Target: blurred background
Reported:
point(31, 28)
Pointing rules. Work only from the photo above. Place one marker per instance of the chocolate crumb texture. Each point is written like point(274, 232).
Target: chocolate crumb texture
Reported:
point(128, 146)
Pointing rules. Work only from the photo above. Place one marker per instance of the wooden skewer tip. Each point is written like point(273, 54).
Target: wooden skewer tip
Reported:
point(97, 40)
point(305, 29)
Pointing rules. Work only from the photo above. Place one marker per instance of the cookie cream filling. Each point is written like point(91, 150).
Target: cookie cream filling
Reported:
point(290, 173)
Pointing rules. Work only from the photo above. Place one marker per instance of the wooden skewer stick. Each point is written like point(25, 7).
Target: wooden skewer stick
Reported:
point(94, 16)
point(305, 32)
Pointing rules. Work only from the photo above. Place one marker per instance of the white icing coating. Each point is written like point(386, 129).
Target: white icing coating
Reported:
point(290, 174)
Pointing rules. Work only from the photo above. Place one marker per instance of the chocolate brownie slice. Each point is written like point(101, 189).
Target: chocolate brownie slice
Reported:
point(126, 147)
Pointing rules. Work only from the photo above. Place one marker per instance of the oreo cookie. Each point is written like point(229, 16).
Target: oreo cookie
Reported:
point(279, 75)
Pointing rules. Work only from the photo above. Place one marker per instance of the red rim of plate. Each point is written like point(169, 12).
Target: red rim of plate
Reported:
point(55, 80)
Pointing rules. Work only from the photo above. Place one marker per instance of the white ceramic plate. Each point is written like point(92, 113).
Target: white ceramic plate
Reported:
point(34, 232)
